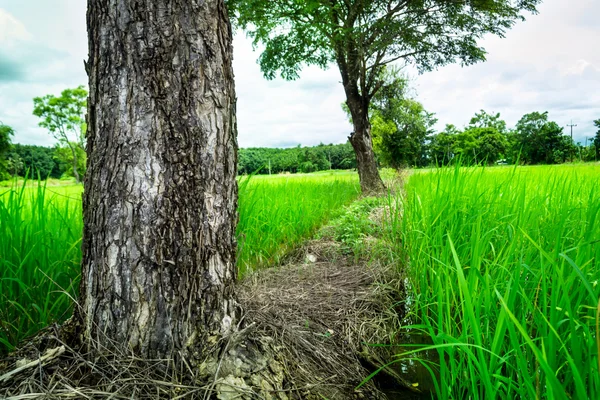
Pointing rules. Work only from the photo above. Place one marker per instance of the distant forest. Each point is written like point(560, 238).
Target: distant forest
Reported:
point(54, 162)
point(264, 160)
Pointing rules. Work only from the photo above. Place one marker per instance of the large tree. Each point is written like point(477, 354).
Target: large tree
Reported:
point(541, 141)
point(362, 36)
point(160, 196)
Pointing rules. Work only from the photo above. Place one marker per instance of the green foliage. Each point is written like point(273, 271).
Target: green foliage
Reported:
point(484, 120)
point(355, 225)
point(539, 141)
point(295, 159)
point(483, 142)
point(5, 133)
point(33, 161)
point(400, 137)
point(505, 265)
point(480, 145)
point(426, 33)
point(597, 139)
point(64, 157)
point(441, 146)
point(64, 117)
point(399, 125)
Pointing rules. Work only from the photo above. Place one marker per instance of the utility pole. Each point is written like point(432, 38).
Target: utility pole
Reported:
point(572, 125)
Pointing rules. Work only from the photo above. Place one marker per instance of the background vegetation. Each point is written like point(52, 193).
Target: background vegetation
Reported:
point(401, 129)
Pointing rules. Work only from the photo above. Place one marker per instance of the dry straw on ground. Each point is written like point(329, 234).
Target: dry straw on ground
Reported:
point(305, 335)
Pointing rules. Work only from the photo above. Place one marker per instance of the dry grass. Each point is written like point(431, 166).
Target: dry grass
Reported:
point(306, 330)
point(321, 315)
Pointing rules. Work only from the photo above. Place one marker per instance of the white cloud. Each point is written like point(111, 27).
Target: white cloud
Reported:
point(286, 113)
point(548, 63)
point(11, 28)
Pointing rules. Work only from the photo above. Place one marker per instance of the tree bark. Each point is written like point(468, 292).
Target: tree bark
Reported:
point(370, 181)
point(160, 198)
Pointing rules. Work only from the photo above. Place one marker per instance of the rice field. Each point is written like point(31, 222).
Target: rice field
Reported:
point(504, 265)
point(41, 226)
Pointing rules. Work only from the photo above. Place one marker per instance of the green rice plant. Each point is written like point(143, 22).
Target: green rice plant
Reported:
point(504, 264)
point(278, 212)
point(41, 230)
point(40, 235)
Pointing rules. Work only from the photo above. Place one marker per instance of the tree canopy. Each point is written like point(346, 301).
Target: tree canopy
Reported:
point(366, 35)
point(400, 124)
point(296, 159)
point(540, 141)
point(64, 117)
point(363, 36)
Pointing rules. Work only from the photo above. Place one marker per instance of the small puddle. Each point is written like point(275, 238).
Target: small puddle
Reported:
point(409, 369)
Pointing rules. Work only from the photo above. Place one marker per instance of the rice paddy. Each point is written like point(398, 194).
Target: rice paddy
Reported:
point(502, 263)
point(41, 227)
point(505, 264)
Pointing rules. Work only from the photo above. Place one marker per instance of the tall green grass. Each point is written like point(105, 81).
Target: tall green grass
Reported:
point(41, 228)
point(278, 212)
point(505, 268)
point(40, 237)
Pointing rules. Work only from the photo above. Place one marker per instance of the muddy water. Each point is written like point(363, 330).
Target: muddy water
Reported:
point(410, 370)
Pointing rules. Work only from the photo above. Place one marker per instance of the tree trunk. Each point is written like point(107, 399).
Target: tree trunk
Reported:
point(370, 181)
point(74, 153)
point(160, 199)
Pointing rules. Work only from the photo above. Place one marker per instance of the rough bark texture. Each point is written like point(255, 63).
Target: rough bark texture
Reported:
point(357, 100)
point(370, 181)
point(160, 198)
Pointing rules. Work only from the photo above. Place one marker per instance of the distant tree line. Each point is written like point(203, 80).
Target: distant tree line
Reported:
point(401, 129)
point(403, 135)
point(264, 160)
point(21, 160)
point(486, 140)
point(56, 162)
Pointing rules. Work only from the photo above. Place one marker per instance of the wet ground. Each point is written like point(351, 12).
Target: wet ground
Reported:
point(410, 369)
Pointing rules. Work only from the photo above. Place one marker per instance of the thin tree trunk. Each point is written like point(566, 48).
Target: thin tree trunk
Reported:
point(74, 153)
point(160, 199)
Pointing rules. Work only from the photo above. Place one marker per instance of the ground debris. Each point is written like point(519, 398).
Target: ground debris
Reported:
point(321, 315)
point(305, 335)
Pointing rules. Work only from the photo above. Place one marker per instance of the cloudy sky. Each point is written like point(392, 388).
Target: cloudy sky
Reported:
point(549, 63)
